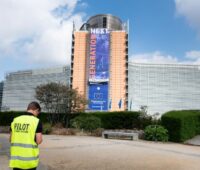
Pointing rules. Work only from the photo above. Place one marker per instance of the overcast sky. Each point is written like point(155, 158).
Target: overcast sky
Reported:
point(37, 33)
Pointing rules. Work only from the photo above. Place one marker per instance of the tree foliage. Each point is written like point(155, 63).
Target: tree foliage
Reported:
point(57, 98)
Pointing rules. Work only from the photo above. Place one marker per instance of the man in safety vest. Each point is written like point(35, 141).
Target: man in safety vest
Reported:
point(26, 135)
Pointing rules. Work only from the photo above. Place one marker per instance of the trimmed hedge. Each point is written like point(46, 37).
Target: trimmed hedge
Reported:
point(7, 117)
point(181, 125)
point(118, 120)
point(88, 123)
point(109, 120)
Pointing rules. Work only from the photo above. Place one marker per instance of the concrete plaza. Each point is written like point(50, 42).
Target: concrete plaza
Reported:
point(94, 153)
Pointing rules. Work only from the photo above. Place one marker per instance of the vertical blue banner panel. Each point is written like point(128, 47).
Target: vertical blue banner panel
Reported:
point(102, 57)
point(99, 55)
point(99, 69)
point(98, 95)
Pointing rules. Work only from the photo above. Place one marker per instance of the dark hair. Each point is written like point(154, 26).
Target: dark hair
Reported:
point(34, 106)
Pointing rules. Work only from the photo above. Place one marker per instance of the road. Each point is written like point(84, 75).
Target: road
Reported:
point(94, 153)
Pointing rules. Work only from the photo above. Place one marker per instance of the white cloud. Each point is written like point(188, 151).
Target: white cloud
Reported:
point(154, 57)
point(190, 10)
point(191, 57)
point(32, 33)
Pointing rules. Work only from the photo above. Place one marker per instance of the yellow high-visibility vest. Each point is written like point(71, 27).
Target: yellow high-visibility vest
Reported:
point(24, 152)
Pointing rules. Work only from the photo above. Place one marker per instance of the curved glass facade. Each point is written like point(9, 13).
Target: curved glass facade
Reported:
point(105, 21)
point(160, 87)
point(19, 87)
point(164, 87)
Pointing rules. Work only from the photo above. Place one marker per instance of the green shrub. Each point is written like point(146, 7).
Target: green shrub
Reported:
point(181, 125)
point(118, 120)
point(7, 117)
point(88, 122)
point(109, 120)
point(46, 129)
point(156, 133)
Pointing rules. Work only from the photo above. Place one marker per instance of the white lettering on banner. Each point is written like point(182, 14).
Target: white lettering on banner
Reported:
point(92, 64)
point(99, 31)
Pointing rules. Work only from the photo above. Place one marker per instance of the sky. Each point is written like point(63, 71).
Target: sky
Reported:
point(37, 33)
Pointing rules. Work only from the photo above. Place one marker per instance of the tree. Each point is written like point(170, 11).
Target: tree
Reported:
point(143, 111)
point(57, 99)
point(144, 118)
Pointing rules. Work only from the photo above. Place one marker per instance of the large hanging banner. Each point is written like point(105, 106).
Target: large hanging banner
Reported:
point(98, 96)
point(99, 68)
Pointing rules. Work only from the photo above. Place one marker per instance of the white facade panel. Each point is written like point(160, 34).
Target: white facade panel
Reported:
point(164, 87)
point(19, 87)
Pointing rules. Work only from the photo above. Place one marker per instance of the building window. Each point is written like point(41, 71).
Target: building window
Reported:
point(104, 22)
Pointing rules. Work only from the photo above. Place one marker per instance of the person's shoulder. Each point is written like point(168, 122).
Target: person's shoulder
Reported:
point(35, 118)
point(30, 117)
point(17, 117)
point(23, 115)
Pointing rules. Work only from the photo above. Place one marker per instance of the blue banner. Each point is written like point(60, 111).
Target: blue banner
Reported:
point(99, 69)
point(98, 95)
point(99, 56)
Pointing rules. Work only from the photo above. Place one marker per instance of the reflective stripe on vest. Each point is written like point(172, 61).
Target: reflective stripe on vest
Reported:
point(24, 158)
point(24, 145)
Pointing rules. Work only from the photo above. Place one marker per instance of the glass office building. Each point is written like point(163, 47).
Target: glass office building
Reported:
point(160, 87)
point(164, 87)
point(19, 87)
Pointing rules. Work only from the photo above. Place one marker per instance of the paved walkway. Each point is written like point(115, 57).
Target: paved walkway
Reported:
point(92, 153)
